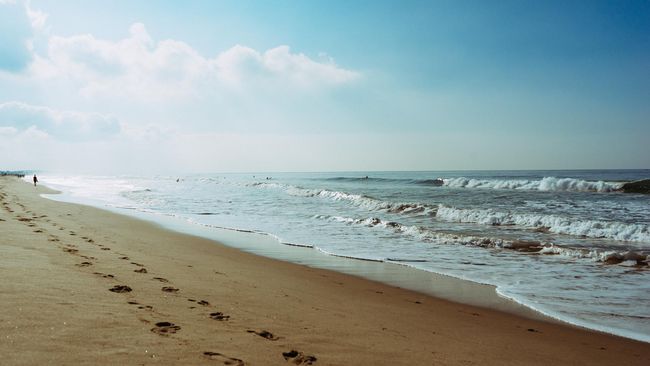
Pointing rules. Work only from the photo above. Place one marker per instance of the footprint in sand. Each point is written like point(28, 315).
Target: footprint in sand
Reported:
point(161, 279)
point(70, 250)
point(165, 328)
point(141, 270)
point(169, 289)
point(264, 334)
point(104, 248)
point(200, 302)
point(298, 358)
point(137, 264)
point(38, 231)
point(104, 275)
point(84, 264)
point(219, 316)
point(216, 356)
point(120, 289)
point(124, 257)
point(145, 307)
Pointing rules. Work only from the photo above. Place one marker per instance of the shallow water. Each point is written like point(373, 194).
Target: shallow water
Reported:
point(556, 241)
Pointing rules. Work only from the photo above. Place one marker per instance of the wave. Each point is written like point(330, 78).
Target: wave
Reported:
point(551, 223)
point(421, 233)
point(359, 200)
point(548, 184)
point(524, 246)
point(428, 182)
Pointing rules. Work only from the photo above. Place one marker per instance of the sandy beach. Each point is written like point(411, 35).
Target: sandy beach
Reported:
point(82, 285)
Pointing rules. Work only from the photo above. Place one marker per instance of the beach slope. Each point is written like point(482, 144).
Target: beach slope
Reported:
point(85, 286)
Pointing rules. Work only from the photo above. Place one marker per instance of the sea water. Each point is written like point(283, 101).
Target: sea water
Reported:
point(568, 244)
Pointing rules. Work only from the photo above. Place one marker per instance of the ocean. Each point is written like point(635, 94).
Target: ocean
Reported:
point(565, 243)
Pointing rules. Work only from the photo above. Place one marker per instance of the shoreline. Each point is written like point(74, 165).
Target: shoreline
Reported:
point(58, 259)
point(439, 285)
point(389, 273)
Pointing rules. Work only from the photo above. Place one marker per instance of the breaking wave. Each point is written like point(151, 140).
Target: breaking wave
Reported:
point(543, 222)
point(526, 246)
point(545, 184)
point(552, 223)
point(549, 184)
point(359, 200)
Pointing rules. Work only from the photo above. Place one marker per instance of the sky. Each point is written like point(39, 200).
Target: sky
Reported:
point(151, 87)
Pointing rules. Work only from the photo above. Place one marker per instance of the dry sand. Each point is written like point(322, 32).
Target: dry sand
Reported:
point(81, 285)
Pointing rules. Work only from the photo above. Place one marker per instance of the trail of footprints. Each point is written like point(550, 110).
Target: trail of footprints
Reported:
point(162, 328)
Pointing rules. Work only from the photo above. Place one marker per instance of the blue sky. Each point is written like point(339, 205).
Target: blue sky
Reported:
point(324, 85)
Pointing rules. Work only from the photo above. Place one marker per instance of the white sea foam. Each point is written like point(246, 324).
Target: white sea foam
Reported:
point(545, 184)
point(96, 188)
point(366, 202)
point(364, 219)
point(552, 223)
point(431, 236)
point(422, 233)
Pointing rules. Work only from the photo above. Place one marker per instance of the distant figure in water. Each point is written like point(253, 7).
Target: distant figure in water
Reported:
point(366, 177)
point(178, 180)
point(35, 180)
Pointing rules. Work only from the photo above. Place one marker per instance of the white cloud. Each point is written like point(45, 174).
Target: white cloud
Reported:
point(139, 67)
point(203, 106)
point(241, 64)
point(8, 131)
point(37, 17)
point(64, 125)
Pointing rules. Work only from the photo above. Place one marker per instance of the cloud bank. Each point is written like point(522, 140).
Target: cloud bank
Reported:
point(90, 104)
point(139, 67)
point(18, 117)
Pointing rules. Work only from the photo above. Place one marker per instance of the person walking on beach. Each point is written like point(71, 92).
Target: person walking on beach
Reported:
point(35, 180)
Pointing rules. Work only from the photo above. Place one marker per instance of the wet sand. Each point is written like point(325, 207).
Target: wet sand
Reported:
point(82, 285)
